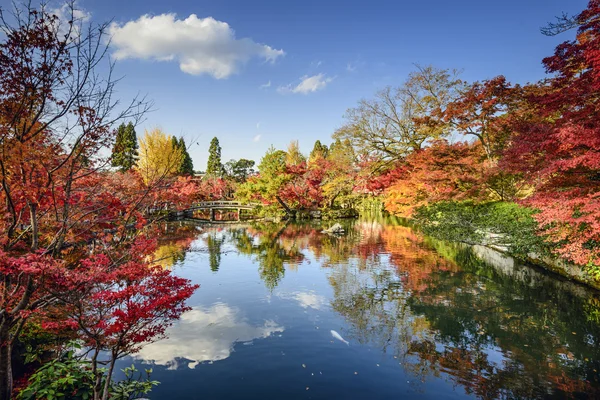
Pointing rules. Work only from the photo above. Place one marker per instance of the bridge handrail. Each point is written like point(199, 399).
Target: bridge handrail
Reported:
point(222, 203)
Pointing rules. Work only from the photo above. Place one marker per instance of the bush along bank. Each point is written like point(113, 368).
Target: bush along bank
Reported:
point(502, 226)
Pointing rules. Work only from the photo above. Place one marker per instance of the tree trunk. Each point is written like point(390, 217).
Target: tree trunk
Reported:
point(287, 209)
point(108, 380)
point(34, 226)
point(5, 363)
point(97, 375)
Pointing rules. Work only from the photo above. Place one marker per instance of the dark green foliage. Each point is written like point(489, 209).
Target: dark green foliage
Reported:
point(319, 151)
point(214, 167)
point(125, 150)
point(71, 377)
point(66, 378)
point(214, 244)
point(186, 166)
point(239, 170)
point(499, 224)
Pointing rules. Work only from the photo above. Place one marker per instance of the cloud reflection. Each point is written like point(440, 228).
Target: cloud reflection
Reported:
point(205, 334)
point(308, 299)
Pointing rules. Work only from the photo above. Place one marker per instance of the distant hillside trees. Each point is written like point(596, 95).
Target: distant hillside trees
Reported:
point(240, 170)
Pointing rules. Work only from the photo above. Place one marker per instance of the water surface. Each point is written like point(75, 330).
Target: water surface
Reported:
point(424, 319)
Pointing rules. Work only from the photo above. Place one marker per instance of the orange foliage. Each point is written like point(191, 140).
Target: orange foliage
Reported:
point(443, 171)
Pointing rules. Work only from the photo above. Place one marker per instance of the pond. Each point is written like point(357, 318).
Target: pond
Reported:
point(285, 311)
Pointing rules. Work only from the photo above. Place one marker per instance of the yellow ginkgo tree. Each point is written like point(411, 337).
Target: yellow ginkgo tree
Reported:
point(158, 158)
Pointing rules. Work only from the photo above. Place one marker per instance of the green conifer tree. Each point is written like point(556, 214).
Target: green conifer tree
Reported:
point(125, 149)
point(319, 151)
point(214, 167)
point(187, 165)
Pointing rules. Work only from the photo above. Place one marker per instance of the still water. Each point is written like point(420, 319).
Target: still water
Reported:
point(422, 318)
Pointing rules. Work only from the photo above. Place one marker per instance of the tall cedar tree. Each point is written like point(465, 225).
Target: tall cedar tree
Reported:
point(125, 150)
point(187, 165)
point(319, 152)
point(214, 166)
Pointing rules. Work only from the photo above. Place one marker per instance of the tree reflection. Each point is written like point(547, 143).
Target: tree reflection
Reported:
point(266, 244)
point(491, 333)
point(174, 243)
point(214, 242)
point(499, 331)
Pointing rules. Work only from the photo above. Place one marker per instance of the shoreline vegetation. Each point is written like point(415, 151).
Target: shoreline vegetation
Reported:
point(514, 167)
point(523, 246)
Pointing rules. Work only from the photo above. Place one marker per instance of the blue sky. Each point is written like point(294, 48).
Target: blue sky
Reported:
point(211, 84)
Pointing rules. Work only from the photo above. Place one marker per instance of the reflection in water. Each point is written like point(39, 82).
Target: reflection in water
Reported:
point(214, 242)
point(176, 241)
point(205, 335)
point(498, 330)
point(270, 248)
point(306, 299)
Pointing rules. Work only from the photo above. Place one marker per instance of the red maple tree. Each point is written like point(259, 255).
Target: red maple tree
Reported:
point(442, 171)
point(560, 150)
point(63, 213)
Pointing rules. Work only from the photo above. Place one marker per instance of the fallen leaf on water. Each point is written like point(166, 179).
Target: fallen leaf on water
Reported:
point(355, 373)
point(574, 333)
point(307, 388)
point(377, 365)
point(303, 365)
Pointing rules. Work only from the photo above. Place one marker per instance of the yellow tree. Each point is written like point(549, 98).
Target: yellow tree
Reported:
point(294, 156)
point(158, 157)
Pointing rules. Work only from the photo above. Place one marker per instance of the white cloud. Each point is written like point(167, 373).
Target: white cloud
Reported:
point(351, 67)
point(71, 12)
point(199, 45)
point(265, 85)
point(205, 335)
point(65, 12)
point(308, 84)
point(257, 138)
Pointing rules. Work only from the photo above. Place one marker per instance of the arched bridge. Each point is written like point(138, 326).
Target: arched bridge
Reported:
point(214, 209)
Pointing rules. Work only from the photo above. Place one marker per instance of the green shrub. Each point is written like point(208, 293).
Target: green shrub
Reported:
point(500, 224)
point(71, 377)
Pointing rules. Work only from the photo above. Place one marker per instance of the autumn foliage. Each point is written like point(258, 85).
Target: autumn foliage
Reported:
point(442, 171)
point(560, 154)
point(537, 144)
point(74, 235)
